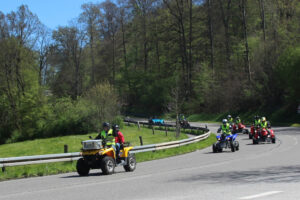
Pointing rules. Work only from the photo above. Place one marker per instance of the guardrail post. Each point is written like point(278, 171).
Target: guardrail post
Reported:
point(166, 130)
point(152, 130)
point(141, 140)
point(138, 123)
point(3, 169)
point(65, 148)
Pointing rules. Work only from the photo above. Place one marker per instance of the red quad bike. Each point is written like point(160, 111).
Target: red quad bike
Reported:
point(252, 131)
point(264, 135)
point(240, 128)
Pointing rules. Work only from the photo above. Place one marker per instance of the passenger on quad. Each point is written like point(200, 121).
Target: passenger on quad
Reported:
point(225, 127)
point(107, 135)
point(119, 139)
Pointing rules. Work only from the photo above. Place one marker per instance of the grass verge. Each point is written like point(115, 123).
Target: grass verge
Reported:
point(56, 145)
point(64, 167)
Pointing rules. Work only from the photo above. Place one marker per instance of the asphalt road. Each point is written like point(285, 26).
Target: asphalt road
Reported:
point(265, 171)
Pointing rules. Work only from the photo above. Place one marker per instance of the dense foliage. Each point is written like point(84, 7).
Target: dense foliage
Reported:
point(142, 57)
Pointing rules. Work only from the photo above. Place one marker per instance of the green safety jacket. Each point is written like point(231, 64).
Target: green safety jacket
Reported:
point(108, 136)
point(226, 128)
point(257, 122)
point(230, 120)
point(264, 124)
point(238, 121)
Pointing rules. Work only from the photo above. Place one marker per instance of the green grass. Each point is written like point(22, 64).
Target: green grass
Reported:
point(64, 167)
point(295, 125)
point(56, 145)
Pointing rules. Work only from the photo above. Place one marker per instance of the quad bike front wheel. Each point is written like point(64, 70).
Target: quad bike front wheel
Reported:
point(237, 145)
point(232, 146)
point(250, 136)
point(214, 148)
point(82, 168)
point(108, 165)
point(131, 163)
point(274, 140)
point(255, 141)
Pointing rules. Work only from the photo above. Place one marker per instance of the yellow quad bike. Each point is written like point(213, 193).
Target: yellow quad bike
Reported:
point(96, 155)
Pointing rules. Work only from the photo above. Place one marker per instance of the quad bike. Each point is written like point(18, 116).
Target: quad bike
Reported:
point(253, 130)
point(226, 141)
point(240, 128)
point(264, 135)
point(97, 155)
point(184, 123)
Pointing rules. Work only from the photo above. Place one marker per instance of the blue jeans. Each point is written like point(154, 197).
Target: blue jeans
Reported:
point(118, 147)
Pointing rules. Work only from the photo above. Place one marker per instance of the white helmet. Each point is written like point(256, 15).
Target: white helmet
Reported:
point(224, 121)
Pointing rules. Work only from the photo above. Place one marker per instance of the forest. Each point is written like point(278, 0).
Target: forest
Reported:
point(146, 58)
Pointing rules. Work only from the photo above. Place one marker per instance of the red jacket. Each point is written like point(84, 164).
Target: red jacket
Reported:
point(120, 138)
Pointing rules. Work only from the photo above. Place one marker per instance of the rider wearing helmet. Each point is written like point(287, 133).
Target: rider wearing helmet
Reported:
point(107, 135)
point(119, 138)
point(238, 120)
point(257, 121)
point(264, 123)
point(230, 119)
point(225, 127)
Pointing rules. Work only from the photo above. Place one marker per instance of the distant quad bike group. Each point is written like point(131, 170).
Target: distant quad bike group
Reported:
point(257, 133)
point(96, 155)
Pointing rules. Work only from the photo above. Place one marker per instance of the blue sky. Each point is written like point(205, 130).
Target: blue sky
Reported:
point(52, 13)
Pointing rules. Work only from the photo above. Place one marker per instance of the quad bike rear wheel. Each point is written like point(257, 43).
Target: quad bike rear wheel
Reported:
point(274, 140)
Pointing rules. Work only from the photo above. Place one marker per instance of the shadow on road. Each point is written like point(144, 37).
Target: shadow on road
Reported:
point(90, 174)
point(282, 174)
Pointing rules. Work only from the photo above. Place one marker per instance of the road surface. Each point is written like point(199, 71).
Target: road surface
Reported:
point(265, 171)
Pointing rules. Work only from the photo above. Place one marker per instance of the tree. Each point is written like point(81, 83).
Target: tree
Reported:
point(109, 27)
point(69, 43)
point(91, 18)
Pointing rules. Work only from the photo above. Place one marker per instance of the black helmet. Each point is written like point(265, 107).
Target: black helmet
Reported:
point(105, 124)
point(256, 117)
point(116, 127)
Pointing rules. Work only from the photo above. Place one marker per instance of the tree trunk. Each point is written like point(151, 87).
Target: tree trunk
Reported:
point(190, 44)
point(247, 61)
point(211, 38)
point(262, 15)
point(225, 19)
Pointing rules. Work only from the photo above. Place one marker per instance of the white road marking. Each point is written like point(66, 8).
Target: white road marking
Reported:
point(261, 195)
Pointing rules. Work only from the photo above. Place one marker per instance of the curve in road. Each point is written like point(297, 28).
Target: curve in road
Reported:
point(265, 171)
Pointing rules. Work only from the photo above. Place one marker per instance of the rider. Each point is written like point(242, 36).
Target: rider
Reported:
point(225, 127)
point(119, 138)
point(107, 135)
point(257, 121)
point(264, 123)
point(238, 120)
point(230, 119)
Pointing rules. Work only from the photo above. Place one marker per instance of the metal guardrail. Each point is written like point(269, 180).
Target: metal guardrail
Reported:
point(165, 125)
point(63, 157)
